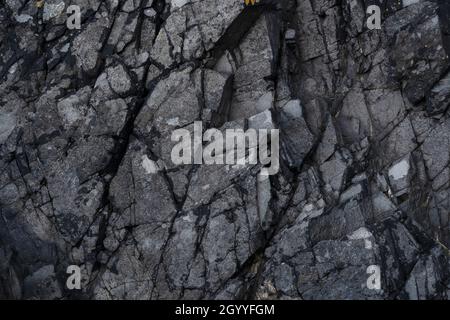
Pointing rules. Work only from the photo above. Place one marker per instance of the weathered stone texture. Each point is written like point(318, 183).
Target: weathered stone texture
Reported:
point(86, 177)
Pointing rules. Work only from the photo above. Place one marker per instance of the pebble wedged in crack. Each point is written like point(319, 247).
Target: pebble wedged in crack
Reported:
point(85, 171)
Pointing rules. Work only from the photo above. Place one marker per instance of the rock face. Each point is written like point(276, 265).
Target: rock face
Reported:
point(86, 177)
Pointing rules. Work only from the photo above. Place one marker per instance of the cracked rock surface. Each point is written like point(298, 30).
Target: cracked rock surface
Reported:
point(86, 178)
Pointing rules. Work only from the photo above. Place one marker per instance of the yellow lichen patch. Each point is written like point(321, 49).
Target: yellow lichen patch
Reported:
point(39, 3)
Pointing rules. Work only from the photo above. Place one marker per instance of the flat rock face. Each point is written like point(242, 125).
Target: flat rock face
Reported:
point(86, 177)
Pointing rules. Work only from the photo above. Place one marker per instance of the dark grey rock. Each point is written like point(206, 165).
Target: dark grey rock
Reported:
point(86, 177)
